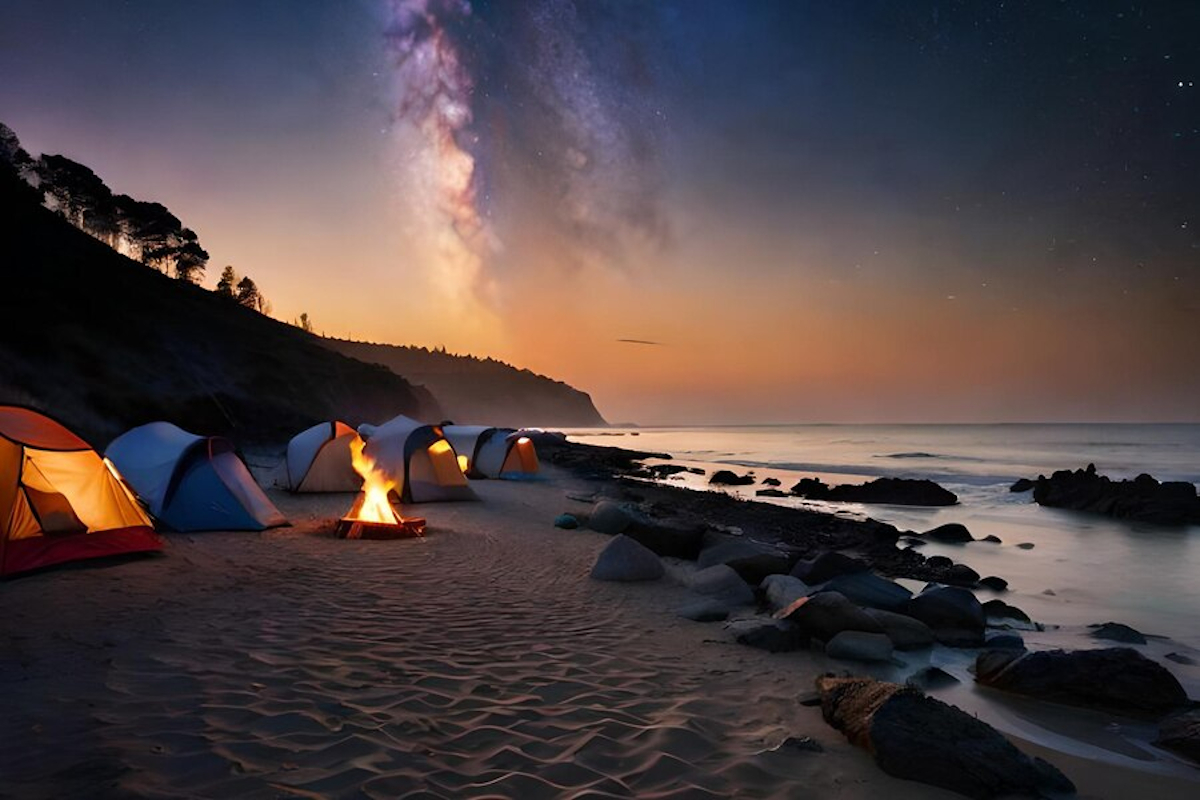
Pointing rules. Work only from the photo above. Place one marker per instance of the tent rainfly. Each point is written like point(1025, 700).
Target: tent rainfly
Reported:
point(59, 501)
point(493, 452)
point(418, 459)
point(190, 482)
point(319, 459)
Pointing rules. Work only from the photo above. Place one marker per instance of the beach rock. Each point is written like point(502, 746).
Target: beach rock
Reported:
point(928, 678)
point(609, 516)
point(859, 646)
point(939, 562)
point(994, 583)
point(755, 568)
point(1116, 632)
point(998, 609)
point(782, 590)
point(893, 491)
point(1004, 640)
point(1143, 499)
point(919, 738)
point(991, 538)
point(770, 481)
point(827, 565)
point(566, 522)
point(724, 477)
point(1022, 485)
point(708, 610)
point(723, 549)
point(1180, 658)
point(905, 632)
point(671, 538)
point(954, 614)
point(960, 575)
point(827, 614)
point(1025, 545)
point(1180, 733)
point(778, 636)
point(950, 533)
point(868, 589)
point(1117, 679)
point(623, 559)
point(722, 583)
point(771, 493)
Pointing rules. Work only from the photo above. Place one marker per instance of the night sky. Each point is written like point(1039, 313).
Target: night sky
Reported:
point(698, 211)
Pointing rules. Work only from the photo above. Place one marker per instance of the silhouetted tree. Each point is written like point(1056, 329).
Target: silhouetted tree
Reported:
point(228, 281)
point(247, 294)
point(305, 324)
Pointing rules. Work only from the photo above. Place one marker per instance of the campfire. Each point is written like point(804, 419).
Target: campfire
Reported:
point(372, 516)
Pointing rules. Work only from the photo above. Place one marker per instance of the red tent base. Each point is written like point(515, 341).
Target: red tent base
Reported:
point(23, 555)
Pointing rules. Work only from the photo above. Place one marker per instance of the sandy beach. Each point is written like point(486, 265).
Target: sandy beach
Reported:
point(479, 661)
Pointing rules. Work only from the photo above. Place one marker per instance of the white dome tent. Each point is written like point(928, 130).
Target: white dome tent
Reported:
point(190, 482)
point(319, 459)
point(493, 452)
point(418, 459)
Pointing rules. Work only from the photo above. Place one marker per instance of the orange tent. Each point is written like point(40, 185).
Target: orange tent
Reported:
point(59, 501)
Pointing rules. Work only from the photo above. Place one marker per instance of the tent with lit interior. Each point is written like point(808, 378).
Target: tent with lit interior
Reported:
point(319, 459)
point(190, 482)
point(493, 452)
point(59, 501)
point(418, 459)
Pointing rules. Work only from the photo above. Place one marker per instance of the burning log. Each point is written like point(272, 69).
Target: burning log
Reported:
point(373, 516)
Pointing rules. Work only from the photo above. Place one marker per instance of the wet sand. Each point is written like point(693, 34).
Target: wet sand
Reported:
point(479, 661)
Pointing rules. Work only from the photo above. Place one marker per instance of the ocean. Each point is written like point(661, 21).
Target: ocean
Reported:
point(1082, 569)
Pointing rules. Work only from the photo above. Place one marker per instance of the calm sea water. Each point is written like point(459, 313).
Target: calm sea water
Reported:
point(1082, 569)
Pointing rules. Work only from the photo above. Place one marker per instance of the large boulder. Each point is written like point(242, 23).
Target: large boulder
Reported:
point(667, 537)
point(1181, 733)
point(893, 491)
point(1021, 485)
point(623, 559)
point(827, 565)
point(860, 646)
point(752, 560)
point(827, 614)
point(1116, 632)
point(724, 477)
point(1002, 612)
point(609, 516)
point(905, 632)
point(918, 738)
point(960, 575)
point(868, 589)
point(721, 582)
point(1143, 498)
point(782, 590)
point(954, 614)
point(1117, 679)
point(950, 533)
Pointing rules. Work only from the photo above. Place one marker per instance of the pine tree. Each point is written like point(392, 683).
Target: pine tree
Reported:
point(228, 281)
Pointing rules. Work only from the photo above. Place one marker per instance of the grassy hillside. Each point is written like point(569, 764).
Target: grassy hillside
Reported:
point(105, 343)
point(481, 391)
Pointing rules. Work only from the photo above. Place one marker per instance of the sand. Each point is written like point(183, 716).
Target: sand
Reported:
point(479, 661)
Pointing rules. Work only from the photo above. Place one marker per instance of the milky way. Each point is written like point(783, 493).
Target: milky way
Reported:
point(521, 130)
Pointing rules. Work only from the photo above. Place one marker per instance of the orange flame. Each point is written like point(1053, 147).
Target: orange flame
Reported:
point(372, 504)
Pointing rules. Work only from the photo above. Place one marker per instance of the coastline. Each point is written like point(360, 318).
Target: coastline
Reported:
point(479, 661)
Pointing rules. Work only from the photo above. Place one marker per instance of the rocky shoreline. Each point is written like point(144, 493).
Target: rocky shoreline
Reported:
point(823, 581)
